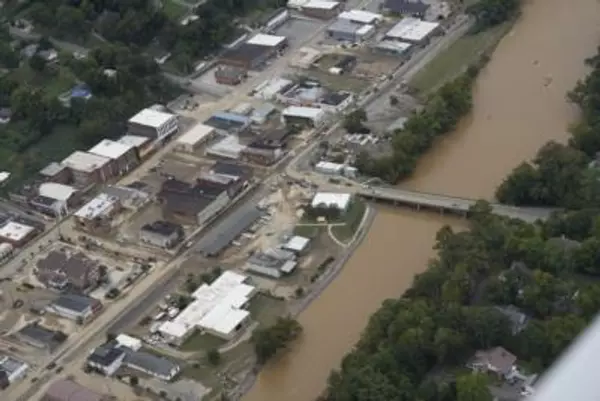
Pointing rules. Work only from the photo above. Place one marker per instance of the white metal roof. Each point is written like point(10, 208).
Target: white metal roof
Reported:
point(197, 134)
point(412, 29)
point(329, 166)
point(15, 231)
point(216, 307)
point(296, 3)
point(365, 29)
point(129, 341)
point(267, 89)
point(306, 112)
point(56, 191)
point(262, 39)
point(321, 4)
point(364, 17)
point(111, 149)
point(99, 206)
point(338, 200)
point(297, 243)
point(133, 140)
point(84, 161)
point(393, 45)
point(151, 118)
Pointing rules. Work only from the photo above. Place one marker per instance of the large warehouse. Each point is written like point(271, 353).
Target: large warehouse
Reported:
point(195, 138)
point(217, 308)
point(255, 52)
point(153, 124)
point(413, 30)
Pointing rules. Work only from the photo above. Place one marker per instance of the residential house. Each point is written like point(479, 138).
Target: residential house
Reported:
point(413, 8)
point(162, 234)
point(106, 359)
point(79, 308)
point(494, 360)
point(64, 269)
point(152, 365)
point(40, 337)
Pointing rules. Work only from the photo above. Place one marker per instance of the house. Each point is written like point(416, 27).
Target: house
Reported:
point(268, 148)
point(68, 390)
point(162, 234)
point(152, 365)
point(65, 269)
point(518, 319)
point(40, 337)
point(229, 75)
point(106, 359)
point(97, 214)
point(79, 308)
point(494, 360)
point(192, 203)
point(411, 8)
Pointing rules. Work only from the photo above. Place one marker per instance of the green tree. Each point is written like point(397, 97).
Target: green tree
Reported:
point(37, 63)
point(472, 387)
point(213, 356)
point(354, 121)
point(268, 341)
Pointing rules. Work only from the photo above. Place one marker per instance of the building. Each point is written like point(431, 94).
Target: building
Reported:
point(56, 172)
point(142, 144)
point(394, 47)
point(153, 124)
point(494, 360)
point(217, 309)
point(123, 157)
point(106, 359)
point(271, 263)
point(194, 203)
point(16, 234)
point(261, 114)
point(412, 8)
point(361, 17)
point(97, 214)
point(339, 201)
point(270, 89)
point(64, 269)
point(322, 9)
point(267, 149)
point(235, 175)
point(255, 52)
point(87, 168)
point(297, 244)
point(309, 116)
point(228, 122)
point(336, 102)
point(68, 390)
point(229, 147)
point(60, 192)
point(150, 364)
point(229, 75)
point(413, 31)
point(305, 57)
point(162, 234)
point(349, 31)
point(40, 337)
point(130, 342)
point(275, 20)
point(14, 369)
point(79, 308)
point(192, 140)
point(345, 64)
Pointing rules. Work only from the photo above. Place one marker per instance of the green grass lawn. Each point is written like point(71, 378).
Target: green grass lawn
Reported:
point(352, 219)
point(454, 60)
point(307, 231)
point(174, 10)
point(201, 342)
point(265, 309)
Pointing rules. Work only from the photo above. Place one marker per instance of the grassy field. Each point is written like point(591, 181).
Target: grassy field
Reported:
point(265, 309)
point(457, 58)
point(352, 219)
point(174, 10)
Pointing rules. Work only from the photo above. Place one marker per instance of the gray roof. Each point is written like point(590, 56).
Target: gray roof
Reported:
point(78, 303)
point(105, 355)
point(406, 6)
point(149, 362)
point(221, 235)
point(344, 26)
point(52, 169)
point(43, 335)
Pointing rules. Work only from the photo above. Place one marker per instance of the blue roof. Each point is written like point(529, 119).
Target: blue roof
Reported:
point(223, 115)
point(81, 90)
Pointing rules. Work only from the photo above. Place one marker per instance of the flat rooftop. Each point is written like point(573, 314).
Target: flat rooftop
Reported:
point(412, 29)
point(198, 133)
point(262, 39)
point(100, 206)
point(15, 231)
point(247, 52)
point(84, 161)
point(151, 118)
point(110, 149)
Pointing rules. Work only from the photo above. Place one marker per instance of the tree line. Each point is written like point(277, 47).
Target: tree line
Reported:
point(413, 346)
point(143, 23)
point(564, 175)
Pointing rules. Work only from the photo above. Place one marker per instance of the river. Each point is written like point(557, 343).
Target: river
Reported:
point(519, 104)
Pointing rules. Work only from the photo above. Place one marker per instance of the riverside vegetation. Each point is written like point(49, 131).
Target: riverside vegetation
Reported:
point(442, 111)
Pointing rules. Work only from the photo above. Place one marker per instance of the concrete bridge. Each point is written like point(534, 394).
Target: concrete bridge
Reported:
point(449, 204)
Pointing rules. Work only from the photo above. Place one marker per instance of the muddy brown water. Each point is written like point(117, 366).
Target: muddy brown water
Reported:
point(519, 104)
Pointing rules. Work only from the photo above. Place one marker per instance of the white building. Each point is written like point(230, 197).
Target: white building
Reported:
point(16, 233)
point(340, 201)
point(123, 156)
point(262, 39)
point(14, 368)
point(153, 124)
point(268, 90)
point(129, 342)
point(361, 17)
point(413, 30)
point(296, 244)
point(303, 115)
point(329, 168)
point(59, 192)
point(194, 138)
point(217, 309)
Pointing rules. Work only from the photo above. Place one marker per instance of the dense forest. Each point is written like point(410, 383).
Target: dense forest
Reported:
point(144, 23)
point(564, 175)
point(442, 111)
